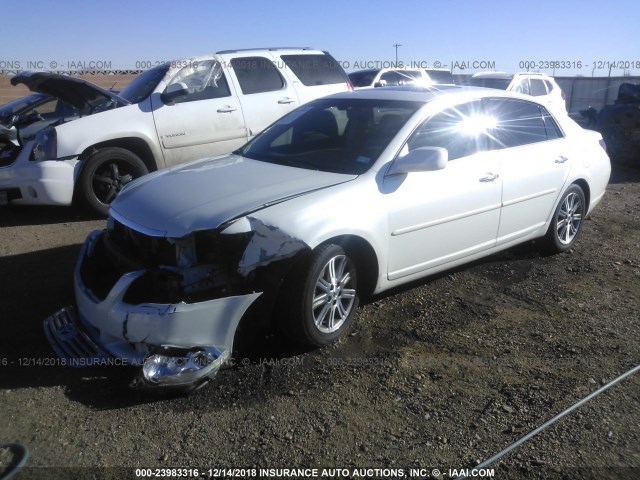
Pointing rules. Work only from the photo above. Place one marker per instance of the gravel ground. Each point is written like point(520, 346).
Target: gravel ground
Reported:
point(441, 374)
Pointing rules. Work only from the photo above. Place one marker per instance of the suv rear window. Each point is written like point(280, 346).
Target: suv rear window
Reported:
point(500, 83)
point(315, 69)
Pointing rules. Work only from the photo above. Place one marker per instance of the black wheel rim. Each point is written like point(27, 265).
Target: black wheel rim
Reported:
point(110, 177)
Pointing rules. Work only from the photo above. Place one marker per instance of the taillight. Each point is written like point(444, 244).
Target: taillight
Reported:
point(349, 85)
point(603, 144)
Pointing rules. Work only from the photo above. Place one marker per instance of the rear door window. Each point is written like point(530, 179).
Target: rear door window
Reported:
point(516, 122)
point(257, 75)
point(315, 69)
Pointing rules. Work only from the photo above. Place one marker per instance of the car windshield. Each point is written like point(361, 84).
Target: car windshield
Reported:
point(145, 83)
point(333, 135)
point(499, 83)
point(19, 104)
point(363, 78)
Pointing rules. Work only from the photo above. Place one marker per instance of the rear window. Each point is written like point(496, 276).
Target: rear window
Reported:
point(440, 76)
point(500, 83)
point(400, 77)
point(315, 69)
point(363, 78)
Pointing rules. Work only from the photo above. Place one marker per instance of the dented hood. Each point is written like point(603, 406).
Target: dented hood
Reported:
point(79, 93)
point(204, 194)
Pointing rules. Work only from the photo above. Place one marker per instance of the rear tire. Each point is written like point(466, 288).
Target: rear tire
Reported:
point(567, 220)
point(105, 173)
point(319, 298)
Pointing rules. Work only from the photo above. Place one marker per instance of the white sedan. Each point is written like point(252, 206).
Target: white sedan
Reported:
point(349, 195)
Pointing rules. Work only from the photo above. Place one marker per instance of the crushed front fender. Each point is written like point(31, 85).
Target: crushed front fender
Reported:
point(177, 344)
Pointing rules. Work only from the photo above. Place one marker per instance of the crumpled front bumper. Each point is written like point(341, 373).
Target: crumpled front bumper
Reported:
point(179, 344)
point(47, 182)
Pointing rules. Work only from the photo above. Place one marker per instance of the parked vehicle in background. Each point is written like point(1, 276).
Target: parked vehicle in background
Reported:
point(349, 195)
point(539, 85)
point(619, 125)
point(393, 77)
point(23, 117)
point(49, 108)
point(440, 76)
point(11, 139)
point(172, 113)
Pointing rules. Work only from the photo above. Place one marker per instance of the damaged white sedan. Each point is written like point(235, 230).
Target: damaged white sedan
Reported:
point(347, 196)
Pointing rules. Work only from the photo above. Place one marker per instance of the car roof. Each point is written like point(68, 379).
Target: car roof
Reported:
point(271, 49)
point(505, 75)
point(492, 75)
point(420, 93)
point(389, 69)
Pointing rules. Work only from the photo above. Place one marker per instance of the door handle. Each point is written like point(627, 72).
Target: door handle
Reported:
point(489, 178)
point(227, 109)
point(561, 159)
point(286, 100)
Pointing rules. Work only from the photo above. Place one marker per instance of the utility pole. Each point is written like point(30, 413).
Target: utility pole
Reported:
point(396, 45)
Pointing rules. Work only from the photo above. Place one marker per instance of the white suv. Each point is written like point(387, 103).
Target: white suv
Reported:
point(172, 113)
point(535, 84)
point(393, 77)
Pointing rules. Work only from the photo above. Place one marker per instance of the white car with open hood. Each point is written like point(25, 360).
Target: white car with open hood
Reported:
point(346, 196)
point(175, 112)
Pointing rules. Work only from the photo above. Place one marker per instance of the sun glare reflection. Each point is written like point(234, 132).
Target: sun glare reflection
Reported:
point(476, 125)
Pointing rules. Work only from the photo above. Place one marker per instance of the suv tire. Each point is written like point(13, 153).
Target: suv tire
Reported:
point(105, 173)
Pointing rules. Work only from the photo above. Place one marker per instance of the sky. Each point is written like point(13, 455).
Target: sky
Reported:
point(559, 38)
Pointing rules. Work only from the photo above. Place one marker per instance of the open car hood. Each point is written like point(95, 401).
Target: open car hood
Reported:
point(204, 194)
point(81, 94)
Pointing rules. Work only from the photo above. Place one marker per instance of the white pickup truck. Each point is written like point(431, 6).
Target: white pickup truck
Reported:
point(172, 113)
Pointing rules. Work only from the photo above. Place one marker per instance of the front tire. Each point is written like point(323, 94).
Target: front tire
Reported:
point(567, 220)
point(319, 299)
point(105, 173)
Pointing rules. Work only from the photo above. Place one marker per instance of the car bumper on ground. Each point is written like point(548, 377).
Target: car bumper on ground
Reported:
point(176, 345)
point(27, 182)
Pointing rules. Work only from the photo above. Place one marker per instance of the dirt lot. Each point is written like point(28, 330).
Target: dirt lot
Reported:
point(440, 375)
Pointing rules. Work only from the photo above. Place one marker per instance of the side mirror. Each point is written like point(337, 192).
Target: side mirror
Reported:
point(423, 159)
point(173, 92)
point(381, 83)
